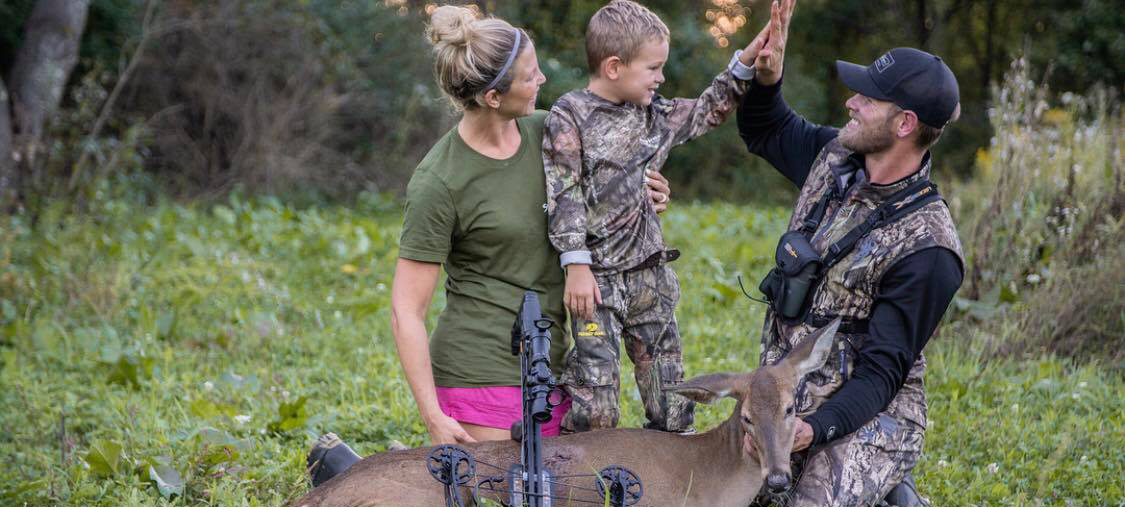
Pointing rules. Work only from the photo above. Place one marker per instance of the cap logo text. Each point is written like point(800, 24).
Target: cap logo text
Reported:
point(884, 62)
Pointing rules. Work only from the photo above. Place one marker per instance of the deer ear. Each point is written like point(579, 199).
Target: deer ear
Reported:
point(812, 353)
point(710, 387)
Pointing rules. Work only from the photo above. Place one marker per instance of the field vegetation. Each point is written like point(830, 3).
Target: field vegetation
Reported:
point(157, 352)
point(169, 336)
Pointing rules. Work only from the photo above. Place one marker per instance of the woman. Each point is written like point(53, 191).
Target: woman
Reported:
point(475, 205)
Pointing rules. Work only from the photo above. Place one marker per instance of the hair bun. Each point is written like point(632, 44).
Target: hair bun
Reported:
point(450, 24)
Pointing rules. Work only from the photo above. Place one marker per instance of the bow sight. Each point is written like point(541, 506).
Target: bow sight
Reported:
point(531, 340)
point(529, 483)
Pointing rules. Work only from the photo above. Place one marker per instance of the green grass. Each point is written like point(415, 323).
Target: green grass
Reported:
point(188, 336)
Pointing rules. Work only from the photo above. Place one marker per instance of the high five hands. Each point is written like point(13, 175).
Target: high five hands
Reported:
point(767, 51)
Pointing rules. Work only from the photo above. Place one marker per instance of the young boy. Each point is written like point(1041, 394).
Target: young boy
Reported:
point(598, 144)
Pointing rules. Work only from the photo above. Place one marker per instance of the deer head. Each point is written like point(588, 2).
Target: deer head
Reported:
point(766, 409)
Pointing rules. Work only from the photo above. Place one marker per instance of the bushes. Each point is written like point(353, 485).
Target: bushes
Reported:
point(1043, 221)
point(284, 96)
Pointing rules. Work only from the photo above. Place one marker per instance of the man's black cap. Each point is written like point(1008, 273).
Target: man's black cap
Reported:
point(912, 79)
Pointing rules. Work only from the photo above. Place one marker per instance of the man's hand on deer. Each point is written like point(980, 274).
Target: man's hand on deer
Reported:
point(802, 437)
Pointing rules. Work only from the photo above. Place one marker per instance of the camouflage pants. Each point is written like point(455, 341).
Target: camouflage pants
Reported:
point(856, 470)
point(639, 307)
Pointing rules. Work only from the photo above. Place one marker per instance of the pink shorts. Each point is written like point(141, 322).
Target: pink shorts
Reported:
point(494, 407)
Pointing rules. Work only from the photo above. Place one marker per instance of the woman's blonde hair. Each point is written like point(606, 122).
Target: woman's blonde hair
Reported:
point(470, 52)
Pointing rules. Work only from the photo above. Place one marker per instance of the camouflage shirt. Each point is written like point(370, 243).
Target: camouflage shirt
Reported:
point(595, 154)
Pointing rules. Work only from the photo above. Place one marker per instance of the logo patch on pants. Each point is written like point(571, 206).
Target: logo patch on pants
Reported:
point(591, 329)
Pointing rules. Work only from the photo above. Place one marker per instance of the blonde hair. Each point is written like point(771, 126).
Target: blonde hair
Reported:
point(469, 53)
point(619, 29)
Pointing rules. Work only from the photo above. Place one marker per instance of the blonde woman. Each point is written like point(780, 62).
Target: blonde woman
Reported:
point(475, 206)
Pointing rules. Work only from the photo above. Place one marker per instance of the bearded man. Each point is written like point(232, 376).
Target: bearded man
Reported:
point(886, 258)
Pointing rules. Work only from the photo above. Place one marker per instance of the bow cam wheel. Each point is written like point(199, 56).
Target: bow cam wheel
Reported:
point(451, 465)
point(620, 484)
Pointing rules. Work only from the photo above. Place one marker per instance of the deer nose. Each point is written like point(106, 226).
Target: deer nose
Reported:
point(777, 482)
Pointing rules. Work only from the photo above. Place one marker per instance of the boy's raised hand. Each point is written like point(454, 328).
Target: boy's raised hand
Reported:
point(750, 52)
point(767, 50)
point(582, 294)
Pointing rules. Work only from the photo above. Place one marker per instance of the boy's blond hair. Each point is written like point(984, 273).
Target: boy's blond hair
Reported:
point(620, 29)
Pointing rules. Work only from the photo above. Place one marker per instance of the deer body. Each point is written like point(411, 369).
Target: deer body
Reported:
point(710, 469)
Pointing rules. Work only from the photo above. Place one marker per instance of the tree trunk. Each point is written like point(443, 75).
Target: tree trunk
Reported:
point(986, 71)
point(923, 25)
point(41, 69)
point(7, 168)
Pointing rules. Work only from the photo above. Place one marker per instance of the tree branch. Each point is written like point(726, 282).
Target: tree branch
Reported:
point(107, 107)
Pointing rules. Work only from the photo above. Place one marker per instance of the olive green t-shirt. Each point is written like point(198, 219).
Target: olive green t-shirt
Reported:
point(484, 220)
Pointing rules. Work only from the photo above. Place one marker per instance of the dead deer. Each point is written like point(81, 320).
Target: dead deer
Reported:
point(707, 469)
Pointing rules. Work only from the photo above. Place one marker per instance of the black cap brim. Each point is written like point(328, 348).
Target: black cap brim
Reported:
point(858, 80)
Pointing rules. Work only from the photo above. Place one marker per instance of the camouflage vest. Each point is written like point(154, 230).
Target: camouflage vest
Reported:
point(849, 288)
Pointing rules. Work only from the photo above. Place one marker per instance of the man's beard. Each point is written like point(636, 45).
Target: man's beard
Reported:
point(867, 139)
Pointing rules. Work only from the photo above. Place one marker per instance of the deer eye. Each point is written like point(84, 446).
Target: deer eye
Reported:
point(789, 411)
point(746, 421)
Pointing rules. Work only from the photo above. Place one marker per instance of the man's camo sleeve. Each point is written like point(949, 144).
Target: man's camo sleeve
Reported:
point(566, 206)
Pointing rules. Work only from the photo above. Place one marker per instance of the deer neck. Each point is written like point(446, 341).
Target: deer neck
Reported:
point(723, 446)
point(726, 468)
point(725, 440)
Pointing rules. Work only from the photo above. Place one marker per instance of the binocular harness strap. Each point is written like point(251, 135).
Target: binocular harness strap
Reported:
point(894, 208)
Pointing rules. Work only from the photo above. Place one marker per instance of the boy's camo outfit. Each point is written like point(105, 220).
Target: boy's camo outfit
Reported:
point(595, 154)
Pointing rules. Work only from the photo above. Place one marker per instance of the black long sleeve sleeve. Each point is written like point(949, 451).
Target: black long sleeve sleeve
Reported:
point(913, 296)
point(773, 131)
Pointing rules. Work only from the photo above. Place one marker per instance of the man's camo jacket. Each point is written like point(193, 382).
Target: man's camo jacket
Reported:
point(849, 288)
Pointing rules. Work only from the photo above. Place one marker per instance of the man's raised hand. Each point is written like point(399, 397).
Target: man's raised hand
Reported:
point(769, 60)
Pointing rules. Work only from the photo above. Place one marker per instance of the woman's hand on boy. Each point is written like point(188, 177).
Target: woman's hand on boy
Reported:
point(658, 190)
point(582, 294)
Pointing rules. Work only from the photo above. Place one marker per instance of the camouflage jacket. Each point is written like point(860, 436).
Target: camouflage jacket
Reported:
point(595, 154)
point(849, 288)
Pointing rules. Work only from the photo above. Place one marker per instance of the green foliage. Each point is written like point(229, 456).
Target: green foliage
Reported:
point(112, 29)
point(1019, 433)
point(267, 324)
point(128, 369)
point(292, 98)
point(168, 480)
point(104, 458)
point(1089, 46)
point(331, 98)
point(290, 416)
point(1044, 223)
